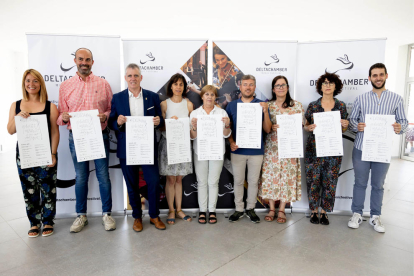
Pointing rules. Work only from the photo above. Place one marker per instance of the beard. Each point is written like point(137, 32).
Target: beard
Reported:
point(84, 71)
point(378, 87)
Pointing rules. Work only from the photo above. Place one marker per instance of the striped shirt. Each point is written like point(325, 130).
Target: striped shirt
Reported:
point(78, 95)
point(388, 104)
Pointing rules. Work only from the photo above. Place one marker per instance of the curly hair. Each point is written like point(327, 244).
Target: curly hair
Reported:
point(173, 80)
point(331, 78)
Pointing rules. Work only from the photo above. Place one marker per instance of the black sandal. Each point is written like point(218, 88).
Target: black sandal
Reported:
point(324, 219)
point(36, 231)
point(202, 220)
point(212, 220)
point(314, 218)
point(46, 230)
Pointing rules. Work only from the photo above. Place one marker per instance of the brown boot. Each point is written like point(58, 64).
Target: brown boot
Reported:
point(137, 225)
point(158, 223)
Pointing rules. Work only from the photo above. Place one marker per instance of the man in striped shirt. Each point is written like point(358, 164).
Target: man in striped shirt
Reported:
point(383, 102)
point(85, 91)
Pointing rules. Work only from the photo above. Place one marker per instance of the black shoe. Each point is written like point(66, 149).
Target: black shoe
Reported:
point(252, 215)
point(324, 219)
point(236, 216)
point(314, 218)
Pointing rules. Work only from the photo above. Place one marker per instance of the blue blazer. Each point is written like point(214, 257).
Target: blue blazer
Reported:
point(120, 106)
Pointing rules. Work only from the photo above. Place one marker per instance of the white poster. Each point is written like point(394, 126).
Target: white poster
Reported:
point(351, 60)
point(262, 59)
point(140, 140)
point(178, 140)
point(33, 140)
point(53, 56)
point(210, 137)
point(290, 136)
point(249, 125)
point(377, 142)
point(328, 134)
point(87, 135)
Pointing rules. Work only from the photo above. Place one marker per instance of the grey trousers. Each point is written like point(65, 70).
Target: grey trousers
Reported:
point(254, 165)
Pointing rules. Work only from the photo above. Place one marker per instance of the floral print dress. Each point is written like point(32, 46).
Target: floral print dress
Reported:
point(280, 178)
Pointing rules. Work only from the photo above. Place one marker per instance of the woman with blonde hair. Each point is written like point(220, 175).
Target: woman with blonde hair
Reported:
point(38, 183)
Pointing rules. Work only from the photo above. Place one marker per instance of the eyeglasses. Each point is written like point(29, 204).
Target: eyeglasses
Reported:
point(327, 83)
point(283, 86)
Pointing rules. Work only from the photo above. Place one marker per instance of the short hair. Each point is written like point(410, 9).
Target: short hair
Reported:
point(331, 77)
point(207, 88)
point(288, 101)
point(133, 66)
point(38, 76)
point(173, 80)
point(248, 77)
point(377, 66)
point(84, 49)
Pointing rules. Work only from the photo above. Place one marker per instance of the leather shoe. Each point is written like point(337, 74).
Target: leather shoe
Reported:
point(137, 225)
point(158, 223)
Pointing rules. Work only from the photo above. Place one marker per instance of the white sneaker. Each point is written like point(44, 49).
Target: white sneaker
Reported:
point(355, 221)
point(78, 224)
point(108, 222)
point(376, 222)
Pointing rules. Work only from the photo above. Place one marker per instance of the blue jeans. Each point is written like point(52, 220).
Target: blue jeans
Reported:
point(82, 177)
point(378, 174)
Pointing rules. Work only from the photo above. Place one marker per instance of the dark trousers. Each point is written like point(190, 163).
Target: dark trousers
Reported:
point(152, 178)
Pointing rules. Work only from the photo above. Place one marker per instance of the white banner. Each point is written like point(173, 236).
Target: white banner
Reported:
point(262, 59)
point(351, 60)
point(53, 56)
point(160, 59)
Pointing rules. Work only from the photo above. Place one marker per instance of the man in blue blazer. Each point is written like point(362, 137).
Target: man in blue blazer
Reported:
point(135, 101)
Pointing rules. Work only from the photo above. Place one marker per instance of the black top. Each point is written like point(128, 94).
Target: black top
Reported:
point(45, 111)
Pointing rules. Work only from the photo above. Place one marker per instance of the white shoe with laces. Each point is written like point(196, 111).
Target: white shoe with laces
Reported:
point(108, 222)
point(355, 221)
point(376, 222)
point(78, 224)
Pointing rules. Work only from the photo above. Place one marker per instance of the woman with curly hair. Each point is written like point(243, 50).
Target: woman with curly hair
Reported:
point(38, 183)
point(322, 172)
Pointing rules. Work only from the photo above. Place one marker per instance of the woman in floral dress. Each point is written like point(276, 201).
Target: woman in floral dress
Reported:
point(281, 178)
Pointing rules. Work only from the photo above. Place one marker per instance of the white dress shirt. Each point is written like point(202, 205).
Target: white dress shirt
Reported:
point(136, 104)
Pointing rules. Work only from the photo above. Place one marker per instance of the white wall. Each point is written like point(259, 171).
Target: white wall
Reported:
point(301, 20)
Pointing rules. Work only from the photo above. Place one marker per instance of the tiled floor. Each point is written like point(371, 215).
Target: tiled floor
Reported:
point(242, 248)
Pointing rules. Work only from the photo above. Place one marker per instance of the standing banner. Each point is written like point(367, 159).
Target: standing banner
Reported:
point(262, 59)
point(158, 61)
point(350, 60)
point(53, 56)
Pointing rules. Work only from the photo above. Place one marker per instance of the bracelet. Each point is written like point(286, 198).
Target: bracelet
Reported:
point(227, 126)
point(54, 154)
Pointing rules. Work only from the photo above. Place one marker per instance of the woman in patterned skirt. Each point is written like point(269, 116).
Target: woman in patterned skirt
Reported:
point(281, 178)
point(176, 106)
point(38, 183)
point(322, 172)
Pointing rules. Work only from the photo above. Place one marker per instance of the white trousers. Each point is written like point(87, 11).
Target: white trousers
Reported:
point(208, 175)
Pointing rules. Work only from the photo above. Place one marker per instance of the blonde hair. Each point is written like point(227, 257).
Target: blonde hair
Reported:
point(38, 76)
point(207, 88)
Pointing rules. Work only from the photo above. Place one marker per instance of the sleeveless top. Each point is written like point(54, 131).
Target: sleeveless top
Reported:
point(176, 109)
point(45, 111)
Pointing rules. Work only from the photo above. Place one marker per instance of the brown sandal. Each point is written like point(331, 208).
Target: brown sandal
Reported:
point(270, 218)
point(281, 220)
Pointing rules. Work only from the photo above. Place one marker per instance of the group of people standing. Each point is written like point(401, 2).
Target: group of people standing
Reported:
point(273, 179)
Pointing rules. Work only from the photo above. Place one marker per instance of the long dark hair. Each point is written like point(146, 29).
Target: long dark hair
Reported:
point(288, 101)
point(173, 80)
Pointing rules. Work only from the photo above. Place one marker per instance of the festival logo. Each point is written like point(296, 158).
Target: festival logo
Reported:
point(149, 57)
point(274, 60)
point(342, 64)
point(68, 68)
point(229, 188)
point(195, 186)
